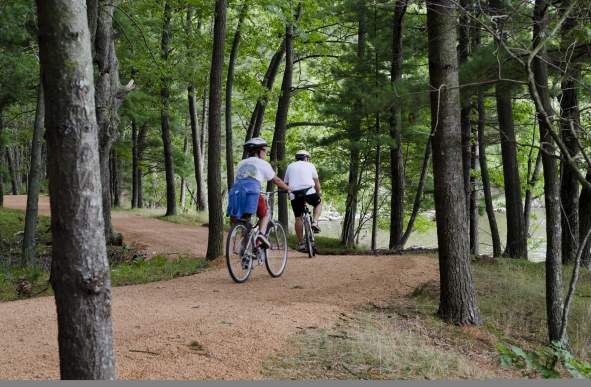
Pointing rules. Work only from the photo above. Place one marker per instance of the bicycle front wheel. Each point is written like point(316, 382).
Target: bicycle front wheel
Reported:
point(238, 251)
point(276, 254)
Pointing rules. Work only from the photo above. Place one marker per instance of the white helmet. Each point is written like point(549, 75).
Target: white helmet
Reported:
point(255, 143)
point(302, 154)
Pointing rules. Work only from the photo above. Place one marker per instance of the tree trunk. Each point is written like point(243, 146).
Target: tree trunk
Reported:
point(473, 208)
point(376, 188)
point(539, 86)
point(2, 150)
point(396, 157)
point(585, 220)
point(516, 239)
point(229, 87)
point(569, 125)
point(183, 181)
point(348, 231)
point(466, 95)
point(134, 165)
point(80, 270)
point(214, 179)
point(529, 192)
point(141, 144)
point(10, 163)
point(116, 188)
point(165, 96)
point(278, 148)
point(34, 183)
point(197, 152)
point(457, 295)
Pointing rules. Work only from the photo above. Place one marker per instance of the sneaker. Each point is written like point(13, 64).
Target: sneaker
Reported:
point(264, 242)
point(315, 227)
point(301, 247)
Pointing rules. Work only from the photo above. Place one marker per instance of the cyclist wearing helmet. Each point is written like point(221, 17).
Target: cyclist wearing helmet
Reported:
point(302, 177)
point(245, 196)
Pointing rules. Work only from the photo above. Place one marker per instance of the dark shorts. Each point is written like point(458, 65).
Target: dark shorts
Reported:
point(298, 203)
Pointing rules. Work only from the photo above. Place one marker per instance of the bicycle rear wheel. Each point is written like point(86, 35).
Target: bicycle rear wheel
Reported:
point(276, 254)
point(238, 253)
point(309, 237)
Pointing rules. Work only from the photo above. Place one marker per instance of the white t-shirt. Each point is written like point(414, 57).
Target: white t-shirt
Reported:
point(300, 175)
point(255, 168)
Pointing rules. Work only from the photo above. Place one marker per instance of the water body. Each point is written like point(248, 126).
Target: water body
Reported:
point(428, 238)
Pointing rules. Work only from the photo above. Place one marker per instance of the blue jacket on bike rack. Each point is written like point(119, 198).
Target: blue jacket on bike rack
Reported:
point(243, 197)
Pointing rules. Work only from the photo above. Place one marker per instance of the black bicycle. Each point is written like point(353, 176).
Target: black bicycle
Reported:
point(243, 250)
point(309, 241)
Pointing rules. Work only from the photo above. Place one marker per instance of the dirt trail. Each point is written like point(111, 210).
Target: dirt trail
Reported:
point(205, 326)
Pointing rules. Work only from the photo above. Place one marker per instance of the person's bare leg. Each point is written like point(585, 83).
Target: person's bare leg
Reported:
point(317, 211)
point(264, 221)
point(299, 229)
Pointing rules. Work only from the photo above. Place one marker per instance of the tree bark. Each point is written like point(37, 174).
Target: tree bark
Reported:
point(80, 269)
point(214, 150)
point(348, 231)
point(115, 187)
point(473, 208)
point(457, 295)
point(2, 150)
point(164, 113)
point(201, 202)
point(516, 239)
point(585, 220)
point(278, 146)
point(134, 165)
point(529, 192)
point(396, 157)
point(34, 183)
point(229, 87)
point(569, 125)
point(183, 180)
point(554, 306)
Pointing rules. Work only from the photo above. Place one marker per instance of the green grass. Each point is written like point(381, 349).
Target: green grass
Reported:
point(128, 267)
point(324, 245)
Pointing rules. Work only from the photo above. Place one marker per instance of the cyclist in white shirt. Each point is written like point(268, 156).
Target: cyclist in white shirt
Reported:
point(302, 177)
point(255, 167)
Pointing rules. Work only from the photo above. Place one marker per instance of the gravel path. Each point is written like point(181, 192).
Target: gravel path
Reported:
point(204, 326)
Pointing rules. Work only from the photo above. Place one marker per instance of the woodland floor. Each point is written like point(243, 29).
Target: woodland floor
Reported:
point(205, 326)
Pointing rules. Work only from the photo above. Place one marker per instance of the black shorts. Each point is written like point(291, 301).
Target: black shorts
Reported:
point(298, 203)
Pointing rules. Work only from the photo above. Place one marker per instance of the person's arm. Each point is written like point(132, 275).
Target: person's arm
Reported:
point(317, 185)
point(279, 183)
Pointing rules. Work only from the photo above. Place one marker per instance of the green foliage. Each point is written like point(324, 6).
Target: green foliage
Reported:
point(548, 362)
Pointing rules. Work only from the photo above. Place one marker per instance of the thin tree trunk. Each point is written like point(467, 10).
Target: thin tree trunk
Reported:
point(376, 188)
point(516, 239)
point(569, 125)
point(134, 165)
point(183, 181)
point(585, 219)
point(529, 192)
point(396, 157)
point(229, 87)
point(80, 270)
point(197, 152)
point(348, 231)
point(473, 209)
point(457, 296)
point(116, 188)
point(141, 144)
point(165, 96)
point(34, 183)
point(2, 150)
point(490, 211)
point(214, 178)
point(10, 163)
point(278, 147)
point(554, 306)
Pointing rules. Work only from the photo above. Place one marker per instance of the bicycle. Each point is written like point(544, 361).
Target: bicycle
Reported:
point(242, 249)
point(309, 241)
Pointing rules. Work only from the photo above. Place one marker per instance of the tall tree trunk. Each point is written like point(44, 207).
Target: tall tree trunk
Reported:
point(141, 144)
point(80, 269)
point(464, 49)
point(585, 220)
point(214, 177)
point(396, 158)
point(533, 178)
point(197, 152)
point(376, 188)
point(278, 148)
point(229, 87)
point(34, 183)
point(457, 296)
point(516, 239)
point(134, 165)
point(490, 211)
point(569, 125)
point(183, 180)
point(2, 150)
point(473, 208)
point(539, 90)
point(348, 231)
point(116, 188)
point(165, 96)
point(11, 170)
